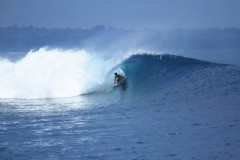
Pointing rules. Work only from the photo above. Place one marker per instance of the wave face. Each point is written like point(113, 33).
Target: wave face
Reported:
point(55, 73)
point(144, 67)
point(174, 79)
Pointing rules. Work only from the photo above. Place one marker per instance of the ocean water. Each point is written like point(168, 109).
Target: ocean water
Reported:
point(57, 104)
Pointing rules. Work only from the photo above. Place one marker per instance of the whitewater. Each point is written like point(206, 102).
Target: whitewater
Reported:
point(52, 74)
point(61, 104)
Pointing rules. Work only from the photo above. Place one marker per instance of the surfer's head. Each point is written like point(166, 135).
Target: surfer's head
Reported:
point(115, 73)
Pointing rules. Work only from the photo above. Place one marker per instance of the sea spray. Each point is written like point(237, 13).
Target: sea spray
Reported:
point(52, 73)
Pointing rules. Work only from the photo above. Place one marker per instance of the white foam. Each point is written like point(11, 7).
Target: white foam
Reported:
point(52, 73)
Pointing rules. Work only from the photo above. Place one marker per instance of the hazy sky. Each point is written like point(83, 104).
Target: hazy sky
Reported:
point(163, 14)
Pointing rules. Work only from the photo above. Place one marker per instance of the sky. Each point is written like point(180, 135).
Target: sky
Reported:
point(135, 14)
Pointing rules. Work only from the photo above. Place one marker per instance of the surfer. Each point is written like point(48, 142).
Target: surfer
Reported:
point(118, 78)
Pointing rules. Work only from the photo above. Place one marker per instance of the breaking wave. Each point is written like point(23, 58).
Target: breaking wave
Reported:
point(59, 73)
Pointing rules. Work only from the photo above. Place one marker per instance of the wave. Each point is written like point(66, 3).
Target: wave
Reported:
point(65, 73)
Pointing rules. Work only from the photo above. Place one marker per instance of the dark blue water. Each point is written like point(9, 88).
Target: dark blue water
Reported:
point(172, 108)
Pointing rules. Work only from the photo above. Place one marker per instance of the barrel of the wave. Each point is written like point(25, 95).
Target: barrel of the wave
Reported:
point(119, 74)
